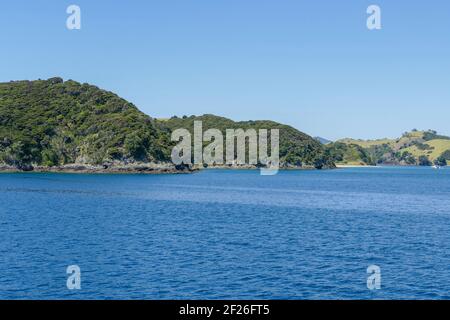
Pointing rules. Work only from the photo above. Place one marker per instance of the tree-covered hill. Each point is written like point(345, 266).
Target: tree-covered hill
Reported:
point(296, 148)
point(52, 122)
point(349, 154)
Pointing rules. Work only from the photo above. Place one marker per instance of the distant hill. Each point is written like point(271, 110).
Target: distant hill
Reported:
point(56, 123)
point(296, 148)
point(323, 140)
point(349, 154)
point(412, 148)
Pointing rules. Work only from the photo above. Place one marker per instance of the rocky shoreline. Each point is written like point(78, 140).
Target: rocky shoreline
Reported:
point(144, 168)
point(138, 168)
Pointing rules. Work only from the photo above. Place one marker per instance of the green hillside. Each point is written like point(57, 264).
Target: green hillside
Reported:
point(296, 148)
point(412, 148)
point(51, 122)
point(349, 154)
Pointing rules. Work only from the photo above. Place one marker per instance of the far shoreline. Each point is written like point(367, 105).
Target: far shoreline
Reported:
point(156, 169)
point(89, 169)
point(342, 166)
point(142, 168)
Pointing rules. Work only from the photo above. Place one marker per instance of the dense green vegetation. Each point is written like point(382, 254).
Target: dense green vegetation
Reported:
point(54, 122)
point(296, 148)
point(349, 154)
point(441, 161)
point(51, 122)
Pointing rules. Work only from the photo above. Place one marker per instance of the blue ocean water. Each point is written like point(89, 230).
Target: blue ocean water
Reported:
point(222, 234)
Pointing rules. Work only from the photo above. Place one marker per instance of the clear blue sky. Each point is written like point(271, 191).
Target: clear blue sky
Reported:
point(311, 64)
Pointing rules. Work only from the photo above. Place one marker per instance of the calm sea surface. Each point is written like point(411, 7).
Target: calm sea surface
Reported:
point(222, 234)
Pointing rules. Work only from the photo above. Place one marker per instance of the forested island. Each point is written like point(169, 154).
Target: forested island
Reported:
point(67, 126)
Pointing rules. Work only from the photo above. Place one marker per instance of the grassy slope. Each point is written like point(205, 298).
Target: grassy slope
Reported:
point(435, 147)
point(368, 143)
point(439, 145)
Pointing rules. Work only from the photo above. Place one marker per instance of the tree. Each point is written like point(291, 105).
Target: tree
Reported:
point(17, 155)
point(136, 146)
point(424, 161)
point(50, 158)
point(408, 158)
point(441, 161)
point(446, 155)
